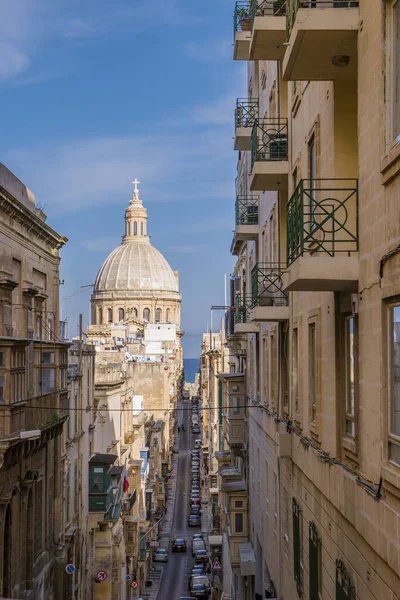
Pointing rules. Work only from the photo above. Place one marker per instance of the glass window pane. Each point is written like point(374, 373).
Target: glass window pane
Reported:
point(396, 69)
point(313, 370)
point(395, 362)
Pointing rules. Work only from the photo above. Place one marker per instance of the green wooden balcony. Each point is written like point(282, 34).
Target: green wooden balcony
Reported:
point(242, 30)
point(246, 114)
point(269, 155)
point(269, 301)
point(243, 323)
point(322, 236)
point(321, 38)
point(268, 29)
point(246, 228)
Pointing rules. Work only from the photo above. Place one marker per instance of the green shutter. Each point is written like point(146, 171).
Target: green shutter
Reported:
point(344, 589)
point(315, 559)
point(297, 547)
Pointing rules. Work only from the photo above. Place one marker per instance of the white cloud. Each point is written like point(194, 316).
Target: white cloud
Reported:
point(12, 61)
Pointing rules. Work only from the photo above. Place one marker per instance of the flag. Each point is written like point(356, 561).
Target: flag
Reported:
point(125, 481)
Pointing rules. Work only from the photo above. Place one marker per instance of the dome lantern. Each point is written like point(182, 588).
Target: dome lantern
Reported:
point(135, 217)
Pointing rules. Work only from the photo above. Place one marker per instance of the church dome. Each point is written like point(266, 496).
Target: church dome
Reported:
point(136, 264)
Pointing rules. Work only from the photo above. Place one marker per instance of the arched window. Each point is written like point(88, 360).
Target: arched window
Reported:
point(7, 548)
point(167, 315)
point(141, 228)
point(100, 316)
point(146, 314)
point(135, 313)
point(135, 228)
point(121, 314)
point(29, 538)
point(110, 315)
point(129, 229)
point(158, 315)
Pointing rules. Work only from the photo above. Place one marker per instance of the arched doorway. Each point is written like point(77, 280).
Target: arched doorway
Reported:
point(7, 549)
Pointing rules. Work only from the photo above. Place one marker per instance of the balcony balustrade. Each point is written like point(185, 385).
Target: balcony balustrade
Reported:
point(242, 30)
point(246, 222)
point(268, 29)
point(243, 323)
point(269, 155)
point(246, 114)
point(321, 40)
point(269, 301)
point(322, 236)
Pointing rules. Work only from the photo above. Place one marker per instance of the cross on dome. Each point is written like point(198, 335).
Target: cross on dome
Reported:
point(136, 189)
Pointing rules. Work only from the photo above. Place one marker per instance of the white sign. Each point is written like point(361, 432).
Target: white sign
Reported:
point(154, 544)
point(216, 565)
point(101, 575)
point(134, 585)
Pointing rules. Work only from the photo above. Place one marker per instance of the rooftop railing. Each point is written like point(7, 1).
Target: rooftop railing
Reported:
point(269, 140)
point(294, 5)
point(267, 8)
point(246, 112)
point(322, 216)
point(243, 306)
point(241, 16)
point(246, 210)
point(267, 285)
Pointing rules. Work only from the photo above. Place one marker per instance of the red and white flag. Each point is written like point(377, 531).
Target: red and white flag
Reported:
point(125, 480)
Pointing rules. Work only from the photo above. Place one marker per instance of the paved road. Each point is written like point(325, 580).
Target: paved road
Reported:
point(174, 582)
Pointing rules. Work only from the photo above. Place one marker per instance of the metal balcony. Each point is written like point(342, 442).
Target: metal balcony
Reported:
point(246, 222)
point(246, 114)
point(243, 323)
point(268, 29)
point(321, 40)
point(269, 301)
point(242, 30)
point(269, 156)
point(322, 236)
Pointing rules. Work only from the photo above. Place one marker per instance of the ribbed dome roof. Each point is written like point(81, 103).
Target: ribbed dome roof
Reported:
point(136, 265)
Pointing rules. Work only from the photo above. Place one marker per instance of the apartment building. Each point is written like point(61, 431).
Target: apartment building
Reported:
point(315, 299)
point(33, 397)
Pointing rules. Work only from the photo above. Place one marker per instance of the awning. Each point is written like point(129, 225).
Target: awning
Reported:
point(247, 559)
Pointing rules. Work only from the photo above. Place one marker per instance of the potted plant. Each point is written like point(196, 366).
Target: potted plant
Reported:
point(243, 17)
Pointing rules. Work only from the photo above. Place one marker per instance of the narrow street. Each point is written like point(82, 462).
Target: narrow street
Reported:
point(174, 582)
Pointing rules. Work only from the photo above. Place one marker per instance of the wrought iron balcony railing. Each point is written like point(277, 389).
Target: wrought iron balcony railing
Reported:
point(247, 210)
point(243, 306)
point(246, 112)
point(269, 141)
point(322, 216)
point(267, 8)
point(292, 6)
point(241, 16)
point(267, 286)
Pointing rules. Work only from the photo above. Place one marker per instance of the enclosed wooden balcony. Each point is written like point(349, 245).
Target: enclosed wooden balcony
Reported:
point(321, 40)
point(269, 156)
point(246, 114)
point(269, 301)
point(246, 228)
point(322, 236)
point(268, 29)
point(243, 323)
point(242, 30)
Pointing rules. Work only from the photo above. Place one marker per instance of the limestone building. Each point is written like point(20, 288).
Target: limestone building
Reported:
point(33, 398)
point(315, 301)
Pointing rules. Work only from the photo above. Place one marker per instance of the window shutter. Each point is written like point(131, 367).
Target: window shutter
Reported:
point(344, 589)
point(297, 547)
point(314, 558)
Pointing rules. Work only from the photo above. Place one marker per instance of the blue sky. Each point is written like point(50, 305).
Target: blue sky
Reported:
point(94, 94)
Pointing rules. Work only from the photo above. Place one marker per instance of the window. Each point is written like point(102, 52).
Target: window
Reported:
point(76, 483)
point(158, 315)
point(297, 547)
point(38, 517)
point(312, 345)
point(67, 496)
point(1, 389)
point(47, 381)
point(350, 354)
point(394, 383)
point(17, 375)
point(121, 314)
point(69, 417)
point(239, 522)
point(238, 503)
point(135, 312)
point(295, 369)
point(76, 413)
point(315, 563)
point(110, 315)
point(50, 330)
point(286, 520)
point(141, 228)
point(167, 315)
point(146, 314)
point(312, 173)
point(7, 319)
point(135, 228)
point(344, 589)
point(236, 406)
point(128, 228)
point(97, 483)
point(396, 70)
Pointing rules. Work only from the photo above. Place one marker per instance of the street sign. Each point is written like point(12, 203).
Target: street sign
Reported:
point(127, 577)
point(216, 565)
point(70, 569)
point(101, 575)
point(154, 544)
point(134, 585)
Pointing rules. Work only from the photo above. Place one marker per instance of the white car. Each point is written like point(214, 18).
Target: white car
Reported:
point(160, 555)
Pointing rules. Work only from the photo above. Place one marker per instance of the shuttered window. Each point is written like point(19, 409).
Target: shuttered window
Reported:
point(344, 589)
point(315, 563)
point(297, 546)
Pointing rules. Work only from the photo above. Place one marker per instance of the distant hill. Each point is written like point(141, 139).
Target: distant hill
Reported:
point(191, 366)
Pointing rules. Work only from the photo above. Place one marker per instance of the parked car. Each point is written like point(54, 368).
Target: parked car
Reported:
point(202, 579)
point(160, 555)
point(195, 429)
point(178, 545)
point(198, 536)
point(194, 520)
point(195, 509)
point(195, 500)
point(197, 444)
point(197, 544)
point(199, 591)
point(201, 555)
